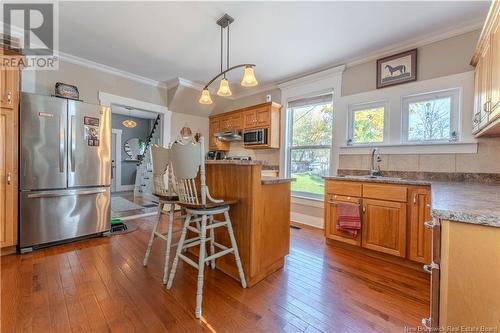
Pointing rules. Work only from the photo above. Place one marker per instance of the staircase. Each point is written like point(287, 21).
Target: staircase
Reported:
point(144, 174)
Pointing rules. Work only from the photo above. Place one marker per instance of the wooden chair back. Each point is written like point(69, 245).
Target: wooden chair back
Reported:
point(162, 171)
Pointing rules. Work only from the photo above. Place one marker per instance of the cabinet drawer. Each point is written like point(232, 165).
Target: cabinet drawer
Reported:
point(334, 198)
point(343, 188)
point(385, 192)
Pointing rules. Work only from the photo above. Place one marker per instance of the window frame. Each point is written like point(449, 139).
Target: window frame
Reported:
point(352, 108)
point(290, 147)
point(455, 114)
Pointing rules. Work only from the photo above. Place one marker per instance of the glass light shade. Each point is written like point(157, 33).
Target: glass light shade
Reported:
point(249, 79)
point(224, 88)
point(205, 97)
point(129, 123)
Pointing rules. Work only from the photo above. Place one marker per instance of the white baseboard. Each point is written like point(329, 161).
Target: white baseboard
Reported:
point(313, 221)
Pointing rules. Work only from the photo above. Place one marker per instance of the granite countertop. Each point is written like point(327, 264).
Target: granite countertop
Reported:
point(238, 162)
point(275, 180)
point(474, 203)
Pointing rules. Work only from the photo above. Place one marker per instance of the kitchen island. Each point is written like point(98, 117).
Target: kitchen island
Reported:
point(260, 218)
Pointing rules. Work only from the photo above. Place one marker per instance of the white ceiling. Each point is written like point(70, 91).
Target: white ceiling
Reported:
point(165, 40)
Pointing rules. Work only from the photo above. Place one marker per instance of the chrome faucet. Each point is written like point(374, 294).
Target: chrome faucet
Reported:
point(374, 172)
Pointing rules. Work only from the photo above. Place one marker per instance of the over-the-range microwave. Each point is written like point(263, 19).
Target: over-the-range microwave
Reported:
point(255, 136)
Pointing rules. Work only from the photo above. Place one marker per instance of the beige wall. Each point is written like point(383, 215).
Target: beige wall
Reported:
point(446, 57)
point(89, 82)
point(251, 100)
point(487, 160)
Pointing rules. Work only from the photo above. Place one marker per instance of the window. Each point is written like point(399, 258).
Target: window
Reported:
point(431, 117)
point(367, 123)
point(309, 144)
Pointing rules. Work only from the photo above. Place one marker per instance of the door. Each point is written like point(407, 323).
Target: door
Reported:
point(420, 236)
point(9, 88)
point(485, 84)
point(89, 145)
point(8, 177)
point(263, 116)
point(50, 216)
point(213, 142)
point(384, 226)
point(331, 220)
point(42, 142)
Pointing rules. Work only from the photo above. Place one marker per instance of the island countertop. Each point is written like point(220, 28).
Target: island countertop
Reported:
point(465, 202)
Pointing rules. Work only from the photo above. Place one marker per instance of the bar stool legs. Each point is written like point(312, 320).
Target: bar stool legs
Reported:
point(201, 241)
point(169, 242)
point(153, 234)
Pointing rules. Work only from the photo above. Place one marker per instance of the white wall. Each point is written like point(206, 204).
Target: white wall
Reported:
point(179, 120)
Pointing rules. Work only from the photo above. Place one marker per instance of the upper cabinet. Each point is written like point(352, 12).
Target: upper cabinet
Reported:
point(486, 59)
point(261, 116)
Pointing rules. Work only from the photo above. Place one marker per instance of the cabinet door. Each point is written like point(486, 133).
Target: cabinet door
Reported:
point(225, 123)
point(495, 69)
point(8, 177)
point(476, 119)
point(213, 142)
point(485, 83)
point(236, 121)
point(384, 226)
point(249, 119)
point(263, 116)
point(420, 237)
point(9, 88)
point(331, 219)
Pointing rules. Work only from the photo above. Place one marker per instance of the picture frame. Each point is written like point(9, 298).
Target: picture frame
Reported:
point(397, 69)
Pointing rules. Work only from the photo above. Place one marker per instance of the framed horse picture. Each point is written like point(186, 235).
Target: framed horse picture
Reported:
point(397, 69)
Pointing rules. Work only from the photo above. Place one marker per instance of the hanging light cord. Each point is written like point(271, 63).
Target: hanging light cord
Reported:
point(227, 46)
point(221, 48)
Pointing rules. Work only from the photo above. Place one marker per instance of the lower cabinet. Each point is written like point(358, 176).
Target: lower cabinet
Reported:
point(420, 242)
point(384, 226)
point(8, 177)
point(331, 216)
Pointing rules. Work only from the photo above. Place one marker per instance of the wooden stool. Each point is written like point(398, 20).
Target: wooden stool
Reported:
point(187, 159)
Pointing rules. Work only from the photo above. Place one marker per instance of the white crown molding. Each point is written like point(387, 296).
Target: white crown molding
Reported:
point(313, 77)
point(255, 91)
point(417, 42)
point(108, 69)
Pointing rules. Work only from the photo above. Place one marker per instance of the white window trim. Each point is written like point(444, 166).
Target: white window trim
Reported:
point(352, 108)
point(455, 121)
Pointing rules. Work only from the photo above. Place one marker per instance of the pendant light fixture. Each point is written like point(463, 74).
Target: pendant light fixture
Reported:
point(129, 123)
point(224, 90)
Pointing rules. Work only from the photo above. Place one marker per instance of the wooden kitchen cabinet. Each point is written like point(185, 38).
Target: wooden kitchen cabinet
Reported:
point(9, 88)
point(384, 226)
point(213, 142)
point(331, 216)
point(420, 237)
point(261, 116)
point(257, 118)
point(486, 60)
point(9, 118)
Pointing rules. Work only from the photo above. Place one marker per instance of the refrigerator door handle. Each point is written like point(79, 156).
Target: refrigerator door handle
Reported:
point(61, 193)
point(62, 138)
point(73, 142)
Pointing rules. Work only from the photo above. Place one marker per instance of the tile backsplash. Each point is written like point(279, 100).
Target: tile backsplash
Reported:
point(271, 156)
point(487, 160)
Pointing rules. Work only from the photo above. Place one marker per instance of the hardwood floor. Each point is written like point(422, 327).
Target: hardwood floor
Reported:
point(100, 285)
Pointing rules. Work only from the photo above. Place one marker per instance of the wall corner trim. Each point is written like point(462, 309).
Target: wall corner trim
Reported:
point(313, 77)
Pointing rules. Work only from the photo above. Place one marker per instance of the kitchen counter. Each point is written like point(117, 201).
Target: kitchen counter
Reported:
point(455, 201)
point(237, 162)
point(260, 218)
point(275, 180)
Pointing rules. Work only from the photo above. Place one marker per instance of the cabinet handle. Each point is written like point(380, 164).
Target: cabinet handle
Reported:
point(426, 323)
point(414, 199)
point(364, 210)
point(9, 97)
point(9, 178)
point(430, 267)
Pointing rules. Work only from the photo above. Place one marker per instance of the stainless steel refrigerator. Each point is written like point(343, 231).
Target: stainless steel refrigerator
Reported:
point(65, 170)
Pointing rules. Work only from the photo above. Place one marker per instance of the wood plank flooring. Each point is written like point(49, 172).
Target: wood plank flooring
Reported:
point(100, 285)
